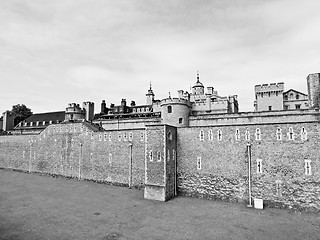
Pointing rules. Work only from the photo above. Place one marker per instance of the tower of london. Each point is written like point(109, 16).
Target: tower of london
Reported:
point(197, 144)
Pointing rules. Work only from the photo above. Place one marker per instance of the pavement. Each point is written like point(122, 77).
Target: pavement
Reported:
point(42, 207)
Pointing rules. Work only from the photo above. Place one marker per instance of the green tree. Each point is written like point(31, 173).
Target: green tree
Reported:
point(21, 112)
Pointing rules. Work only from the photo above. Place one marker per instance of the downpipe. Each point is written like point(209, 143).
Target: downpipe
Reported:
point(130, 165)
point(249, 174)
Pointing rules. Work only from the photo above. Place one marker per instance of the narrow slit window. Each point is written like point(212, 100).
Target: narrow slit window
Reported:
point(100, 136)
point(105, 137)
point(304, 135)
point(291, 134)
point(119, 136)
point(259, 165)
point(159, 156)
point(110, 137)
point(247, 135)
point(130, 136)
point(169, 109)
point(180, 120)
point(237, 134)
point(110, 158)
point(150, 156)
point(210, 135)
point(278, 188)
point(173, 154)
point(125, 137)
point(279, 134)
point(307, 167)
point(201, 135)
point(199, 163)
point(258, 134)
point(142, 136)
point(219, 135)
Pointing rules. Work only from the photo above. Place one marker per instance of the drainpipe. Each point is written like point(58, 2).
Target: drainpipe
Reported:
point(80, 158)
point(249, 173)
point(130, 165)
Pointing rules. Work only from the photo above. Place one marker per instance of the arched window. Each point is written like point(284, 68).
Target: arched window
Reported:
point(169, 135)
point(169, 109)
point(297, 96)
point(180, 120)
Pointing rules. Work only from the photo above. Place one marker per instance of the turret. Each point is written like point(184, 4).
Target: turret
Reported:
point(313, 82)
point(198, 88)
point(88, 107)
point(175, 111)
point(150, 96)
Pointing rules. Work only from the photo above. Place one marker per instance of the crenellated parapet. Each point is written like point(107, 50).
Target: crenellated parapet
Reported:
point(272, 87)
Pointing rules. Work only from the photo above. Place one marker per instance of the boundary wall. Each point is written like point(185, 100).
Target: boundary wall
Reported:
point(79, 150)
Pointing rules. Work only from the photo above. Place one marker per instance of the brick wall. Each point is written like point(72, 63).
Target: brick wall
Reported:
point(223, 174)
point(74, 150)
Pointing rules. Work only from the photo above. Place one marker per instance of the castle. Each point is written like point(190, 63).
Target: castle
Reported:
point(197, 144)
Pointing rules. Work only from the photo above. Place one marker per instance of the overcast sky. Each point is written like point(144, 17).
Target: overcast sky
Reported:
point(56, 52)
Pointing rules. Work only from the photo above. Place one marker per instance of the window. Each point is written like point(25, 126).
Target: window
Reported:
point(210, 135)
point(285, 97)
point(50, 122)
point(150, 156)
point(141, 136)
point(247, 135)
point(169, 109)
point(159, 156)
point(286, 107)
point(279, 134)
point(298, 106)
point(75, 128)
point(110, 158)
point(44, 123)
point(130, 136)
point(105, 136)
point(91, 135)
point(180, 120)
point(169, 135)
point(23, 154)
point(259, 165)
point(199, 163)
point(269, 94)
point(219, 135)
point(201, 135)
point(304, 135)
point(168, 155)
point(297, 96)
point(258, 134)
point(109, 137)
point(67, 129)
point(278, 188)
point(31, 123)
point(125, 136)
point(307, 167)
point(100, 136)
point(119, 136)
point(291, 134)
point(237, 135)
point(37, 123)
point(25, 124)
point(173, 154)
point(270, 108)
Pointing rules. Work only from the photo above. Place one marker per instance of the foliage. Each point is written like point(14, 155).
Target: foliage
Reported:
point(21, 111)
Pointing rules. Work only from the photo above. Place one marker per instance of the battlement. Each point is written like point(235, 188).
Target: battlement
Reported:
point(74, 108)
point(175, 101)
point(269, 87)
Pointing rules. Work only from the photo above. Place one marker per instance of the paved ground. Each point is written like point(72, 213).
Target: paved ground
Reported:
point(40, 207)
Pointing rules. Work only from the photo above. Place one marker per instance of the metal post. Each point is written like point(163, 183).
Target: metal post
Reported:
point(130, 165)
point(80, 158)
point(249, 173)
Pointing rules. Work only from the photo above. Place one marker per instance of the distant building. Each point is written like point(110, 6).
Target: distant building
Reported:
point(271, 97)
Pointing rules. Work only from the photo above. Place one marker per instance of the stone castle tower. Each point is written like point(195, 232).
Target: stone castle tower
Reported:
point(313, 83)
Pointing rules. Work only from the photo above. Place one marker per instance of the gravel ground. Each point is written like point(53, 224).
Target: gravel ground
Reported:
point(41, 207)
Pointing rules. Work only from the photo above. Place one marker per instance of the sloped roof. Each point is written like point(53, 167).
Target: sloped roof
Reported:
point(49, 116)
point(292, 90)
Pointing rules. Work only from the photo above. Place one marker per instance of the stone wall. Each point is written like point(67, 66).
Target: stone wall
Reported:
point(223, 173)
point(80, 151)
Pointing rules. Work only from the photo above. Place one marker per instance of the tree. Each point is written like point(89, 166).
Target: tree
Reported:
point(21, 112)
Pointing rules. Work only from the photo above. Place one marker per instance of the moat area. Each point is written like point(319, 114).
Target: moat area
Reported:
point(41, 207)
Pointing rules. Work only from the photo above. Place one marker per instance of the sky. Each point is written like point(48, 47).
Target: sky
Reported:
point(57, 52)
